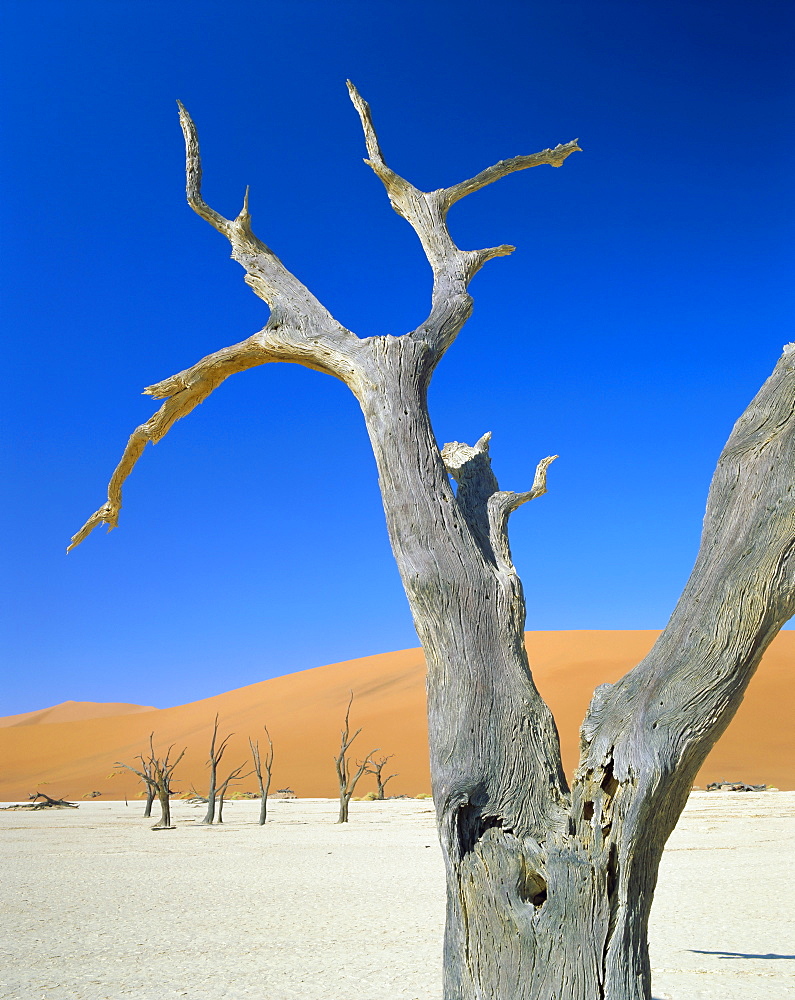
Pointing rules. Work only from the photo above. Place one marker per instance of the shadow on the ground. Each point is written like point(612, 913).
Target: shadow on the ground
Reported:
point(738, 954)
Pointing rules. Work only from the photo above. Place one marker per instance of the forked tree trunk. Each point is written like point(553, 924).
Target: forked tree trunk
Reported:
point(549, 892)
point(548, 889)
point(261, 765)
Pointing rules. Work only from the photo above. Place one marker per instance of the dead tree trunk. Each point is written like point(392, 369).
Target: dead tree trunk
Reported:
point(259, 763)
point(376, 768)
point(157, 774)
point(346, 780)
point(48, 803)
point(213, 762)
point(149, 787)
point(548, 888)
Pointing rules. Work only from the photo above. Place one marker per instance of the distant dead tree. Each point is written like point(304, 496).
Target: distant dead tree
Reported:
point(157, 774)
point(48, 802)
point(342, 763)
point(216, 753)
point(375, 766)
point(259, 764)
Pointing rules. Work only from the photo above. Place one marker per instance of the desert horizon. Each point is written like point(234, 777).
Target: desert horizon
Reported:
point(70, 750)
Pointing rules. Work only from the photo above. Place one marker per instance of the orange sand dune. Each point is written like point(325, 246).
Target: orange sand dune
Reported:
point(73, 711)
point(304, 712)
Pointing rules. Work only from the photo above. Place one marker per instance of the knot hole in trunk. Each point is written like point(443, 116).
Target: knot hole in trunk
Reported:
point(472, 824)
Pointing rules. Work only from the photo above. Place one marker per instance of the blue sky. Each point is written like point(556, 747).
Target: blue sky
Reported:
point(648, 299)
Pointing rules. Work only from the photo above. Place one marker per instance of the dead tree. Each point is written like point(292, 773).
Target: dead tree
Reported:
point(259, 764)
point(48, 803)
point(221, 793)
point(548, 888)
point(157, 773)
point(213, 761)
point(375, 766)
point(348, 781)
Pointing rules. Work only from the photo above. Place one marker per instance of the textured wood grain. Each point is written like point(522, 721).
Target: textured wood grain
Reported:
point(549, 889)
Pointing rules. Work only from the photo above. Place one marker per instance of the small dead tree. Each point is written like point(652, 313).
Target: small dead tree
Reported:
point(48, 803)
point(375, 766)
point(216, 753)
point(347, 780)
point(549, 887)
point(221, 793)
point(157, 773)
point(260, 763)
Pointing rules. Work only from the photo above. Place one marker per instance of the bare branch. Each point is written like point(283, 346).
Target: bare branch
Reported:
point(426, 212)
point(234, 775)
point(361, 768)
point(255, 757)
point(144, 777)
point(183, 392)
point(502, 504)
point(269, 756)
point(311, 333)
point(300, 330)
point(193, 175)
point(551, 157)
point(484, 506)
point(370, 137)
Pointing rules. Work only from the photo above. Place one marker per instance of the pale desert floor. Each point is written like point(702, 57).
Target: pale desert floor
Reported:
point(93, 905)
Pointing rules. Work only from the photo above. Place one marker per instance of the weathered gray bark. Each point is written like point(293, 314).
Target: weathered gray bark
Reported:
point(259, 765)
point(549, 889)
point(346, 779)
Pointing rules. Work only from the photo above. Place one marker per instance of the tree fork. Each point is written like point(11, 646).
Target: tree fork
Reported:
point(548, 889)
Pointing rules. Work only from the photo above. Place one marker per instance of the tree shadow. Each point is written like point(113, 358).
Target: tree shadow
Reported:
point(738, 954)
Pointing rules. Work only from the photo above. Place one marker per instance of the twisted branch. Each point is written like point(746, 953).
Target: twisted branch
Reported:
point(299, 330)
point(308, 333)
point(183, 392)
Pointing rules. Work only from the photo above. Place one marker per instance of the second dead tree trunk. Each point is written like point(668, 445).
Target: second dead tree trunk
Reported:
point(376, 767)
point(346, 780)
point(259, 764)
point(548, 887)
point(149, 786)
point(216, 753)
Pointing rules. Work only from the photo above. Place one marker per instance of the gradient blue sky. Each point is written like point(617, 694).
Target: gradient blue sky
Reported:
point(648, 299)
